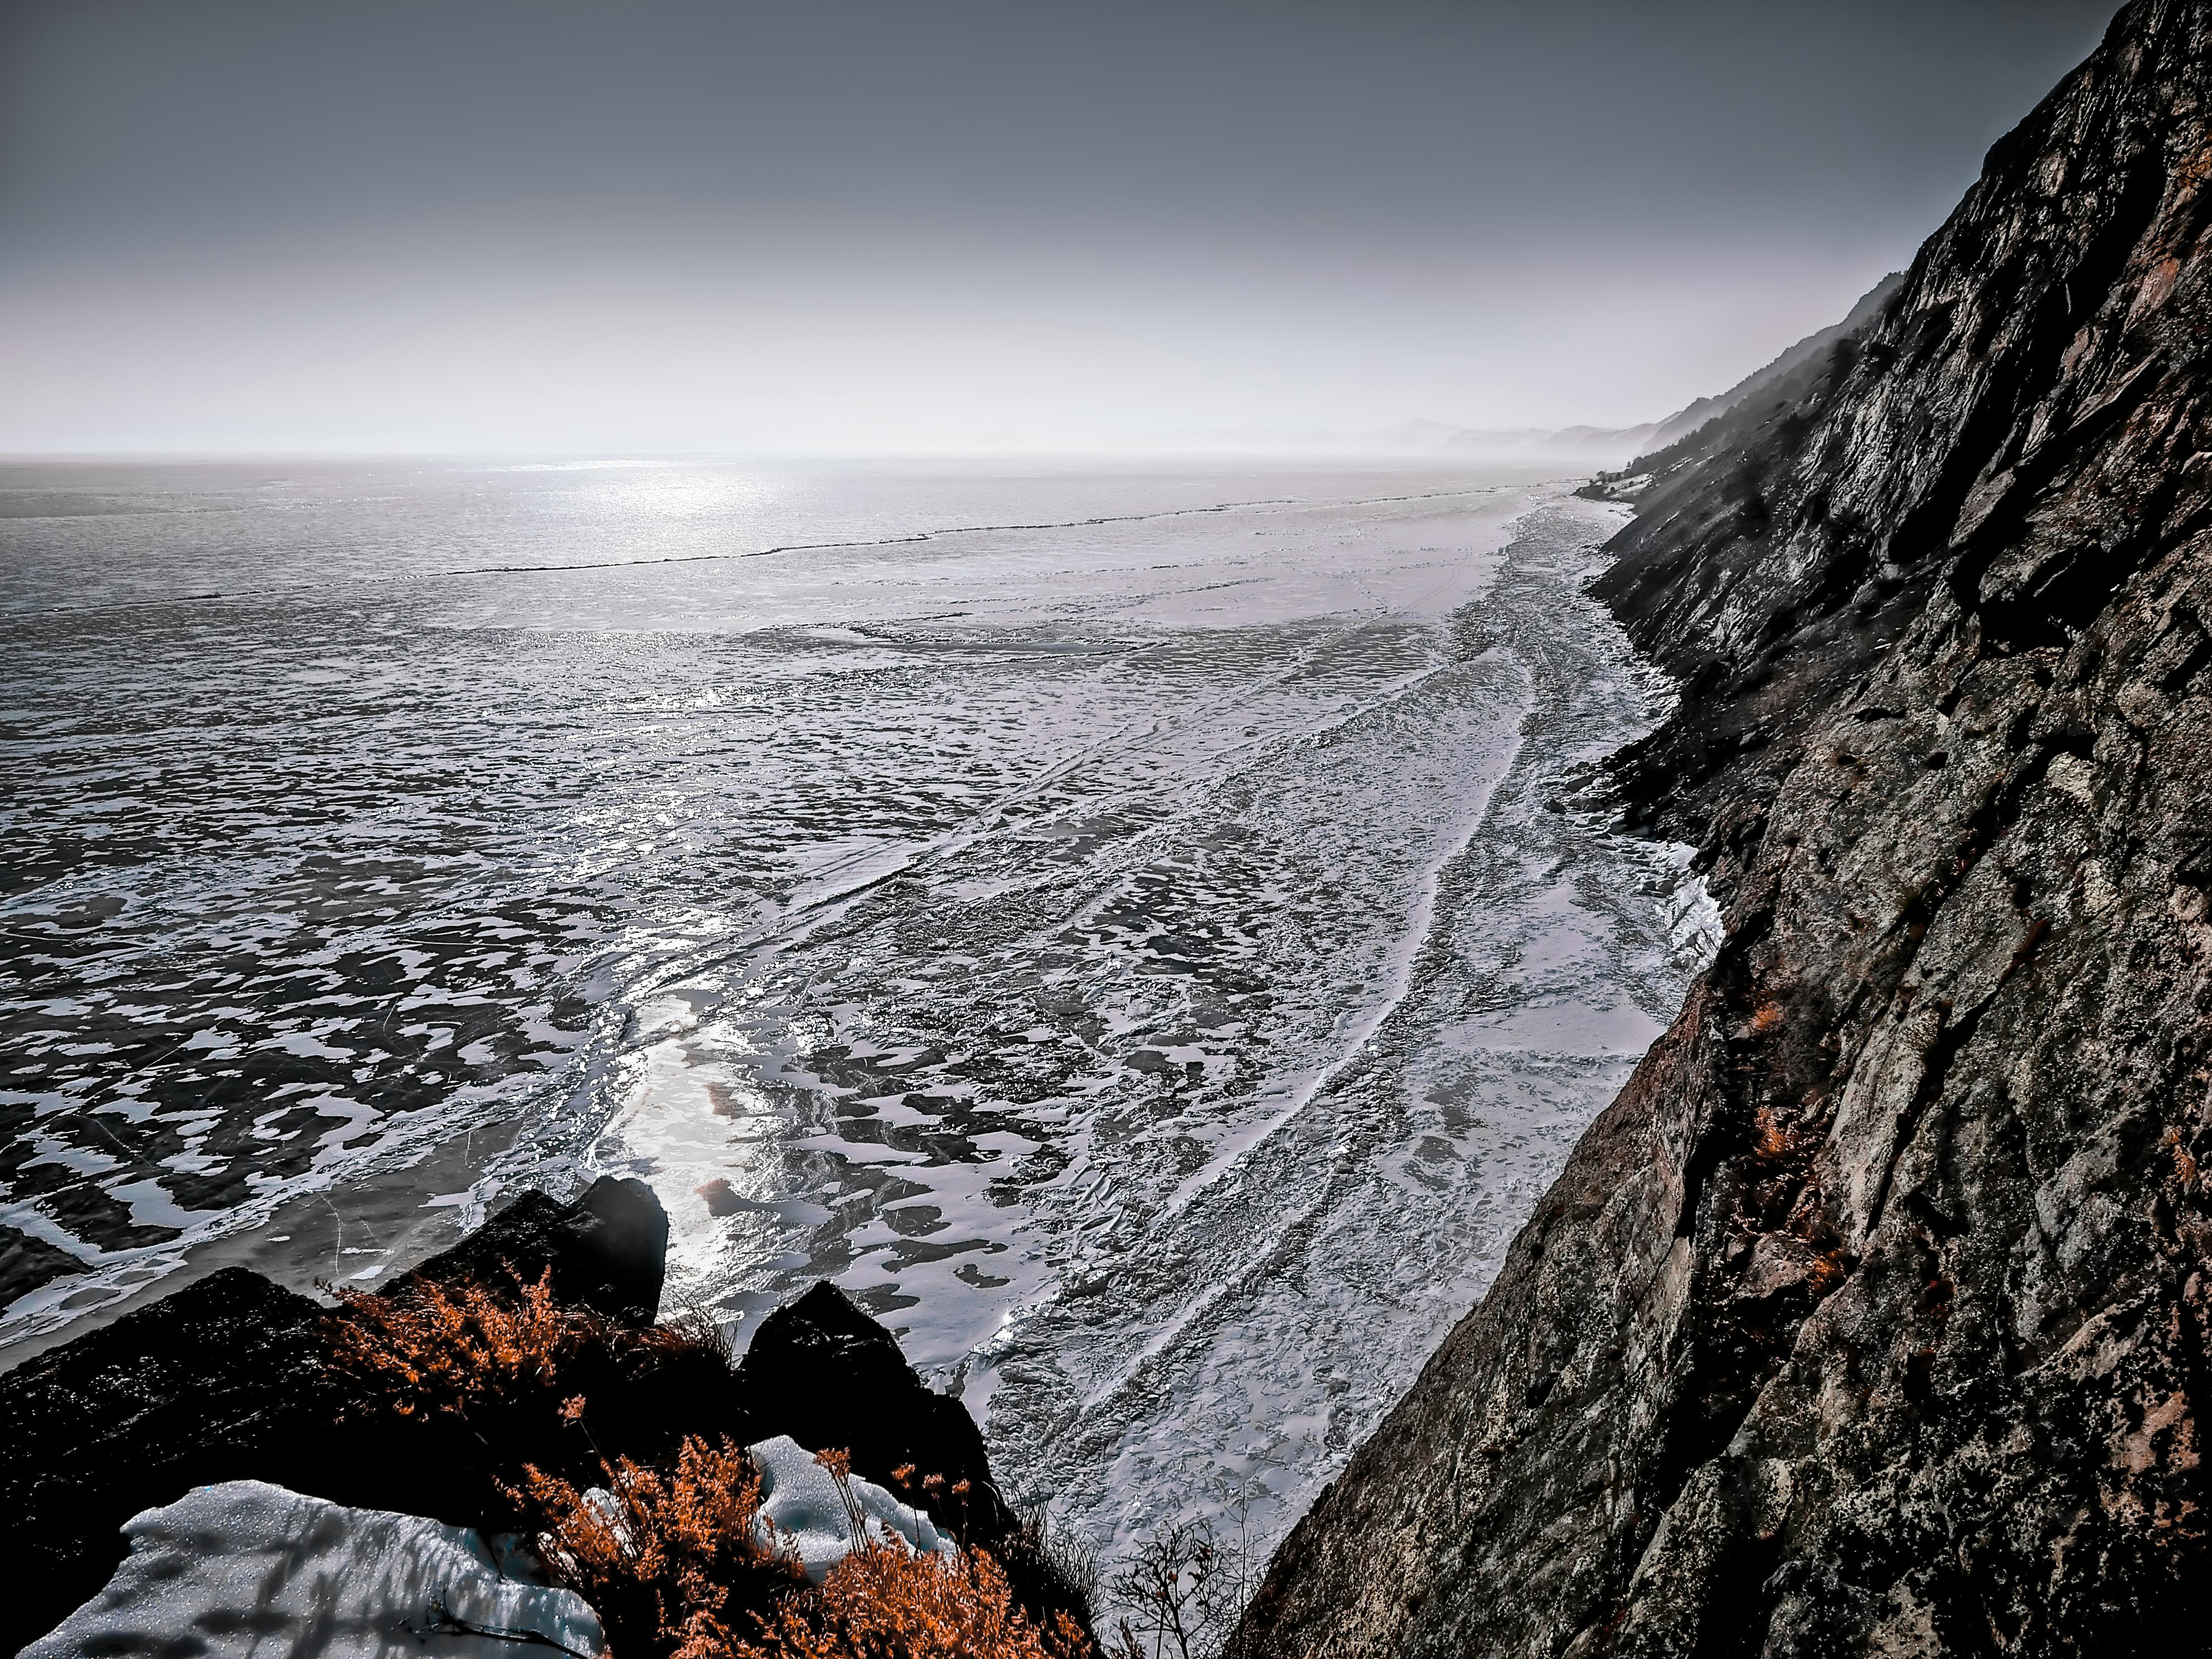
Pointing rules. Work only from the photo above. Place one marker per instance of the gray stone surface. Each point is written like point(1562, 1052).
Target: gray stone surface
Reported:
point(1872, 1318)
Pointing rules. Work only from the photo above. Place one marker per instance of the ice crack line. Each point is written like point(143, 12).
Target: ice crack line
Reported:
point(749, 553)
point(1358, 1050)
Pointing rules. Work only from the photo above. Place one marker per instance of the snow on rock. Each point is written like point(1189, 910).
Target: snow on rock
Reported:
point(802, 1512)
point(246, 1568)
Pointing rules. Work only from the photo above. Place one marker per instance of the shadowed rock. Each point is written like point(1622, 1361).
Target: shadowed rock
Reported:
point(608, 1250)
point(821, 1371)
point(224, 1380)
point(230, 1379)
point(826, 1374)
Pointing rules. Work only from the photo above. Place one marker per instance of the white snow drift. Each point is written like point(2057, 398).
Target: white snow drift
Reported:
point(802, 1512)
point(248, 1568)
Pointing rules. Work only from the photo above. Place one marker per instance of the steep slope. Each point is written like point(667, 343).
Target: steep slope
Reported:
point(1691, 422)
point(1872, 1318)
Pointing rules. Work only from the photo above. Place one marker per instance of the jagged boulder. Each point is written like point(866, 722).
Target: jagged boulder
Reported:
point(822, 1372)
point(607, 1251)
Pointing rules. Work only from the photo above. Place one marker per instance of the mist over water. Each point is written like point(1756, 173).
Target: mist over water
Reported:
point(1152, 953)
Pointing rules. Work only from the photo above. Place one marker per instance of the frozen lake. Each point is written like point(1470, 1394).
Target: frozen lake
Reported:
point(1145, 933)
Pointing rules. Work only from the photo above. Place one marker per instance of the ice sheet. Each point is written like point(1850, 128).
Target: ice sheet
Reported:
point(1153, 957)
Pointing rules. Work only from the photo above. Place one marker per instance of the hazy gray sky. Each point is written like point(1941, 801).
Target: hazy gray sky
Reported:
point(676, 224)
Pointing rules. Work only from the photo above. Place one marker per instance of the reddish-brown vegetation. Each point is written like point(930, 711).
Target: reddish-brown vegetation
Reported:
point(668, 1561)
point(672, 1566)
point(663, 1545)
point(881, 1602)
point(467, 1353)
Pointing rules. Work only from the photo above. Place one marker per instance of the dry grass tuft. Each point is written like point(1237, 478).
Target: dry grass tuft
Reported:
point(880, 1602)
point(665, 1550)
point(435, 1350)
point(668, 1561)
point(672, 1567)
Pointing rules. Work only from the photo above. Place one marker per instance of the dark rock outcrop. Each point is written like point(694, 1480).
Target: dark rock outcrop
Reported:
point(608, 1251)
point(1873, 1318)
point(824, 1373)
point(225, 1380)
point(230, 1379)
point(233, 1377)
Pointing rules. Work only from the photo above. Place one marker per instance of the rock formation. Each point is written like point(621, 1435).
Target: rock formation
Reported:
point(608, 1251)
point(230, 1379)
point(1872, 1318)
point(233, 1379)
point(824, 1373)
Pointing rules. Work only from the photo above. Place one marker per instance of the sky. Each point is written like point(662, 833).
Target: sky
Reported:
point(871, 226)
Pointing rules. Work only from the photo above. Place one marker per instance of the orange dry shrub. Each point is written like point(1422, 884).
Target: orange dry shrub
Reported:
point(672, 1565)
point(881, 1602)
point(434, 1348)
point(431, 1349)
point(668, 1561)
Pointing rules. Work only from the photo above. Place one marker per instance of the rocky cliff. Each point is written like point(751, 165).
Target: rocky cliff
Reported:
point(1872, 1318)
point(1680, 435)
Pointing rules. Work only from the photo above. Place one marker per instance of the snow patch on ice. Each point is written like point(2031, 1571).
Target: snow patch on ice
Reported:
point(803, 1512)
point(245, 1567)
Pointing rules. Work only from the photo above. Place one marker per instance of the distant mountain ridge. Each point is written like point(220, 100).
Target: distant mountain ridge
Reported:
point(1592, 446)
point(1682, 424)
point(1589, 440)
point(1629, 446)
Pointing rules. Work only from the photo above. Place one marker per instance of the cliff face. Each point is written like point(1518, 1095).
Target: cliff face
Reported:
point(1872, 1318)
point(1683, 433)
